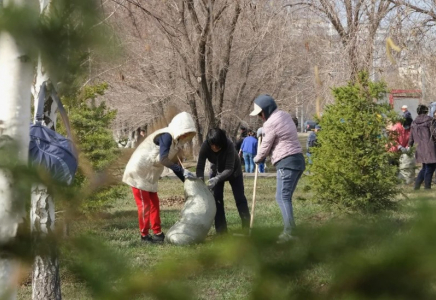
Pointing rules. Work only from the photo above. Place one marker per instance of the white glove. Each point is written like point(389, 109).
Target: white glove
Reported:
point(188, 174)
point(212, 183)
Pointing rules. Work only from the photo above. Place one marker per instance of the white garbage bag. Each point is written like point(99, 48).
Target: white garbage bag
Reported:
point(407, 168)
point(197, 215)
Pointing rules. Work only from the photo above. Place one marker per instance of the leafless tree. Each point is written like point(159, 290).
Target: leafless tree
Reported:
point(416, 21)
point(425, 7)
point(356, 23)
point(212, 57)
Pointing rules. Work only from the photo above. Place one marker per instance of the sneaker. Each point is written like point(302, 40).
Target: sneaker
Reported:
point(147, 239)
point(285, 237)
point(158, 238)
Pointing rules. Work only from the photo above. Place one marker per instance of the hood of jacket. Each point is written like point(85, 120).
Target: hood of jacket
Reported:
point(182, 123)
point(144, 169)
point(422, 121)
point(267, 104)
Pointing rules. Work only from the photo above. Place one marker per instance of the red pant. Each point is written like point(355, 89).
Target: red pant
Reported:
point(148, 211)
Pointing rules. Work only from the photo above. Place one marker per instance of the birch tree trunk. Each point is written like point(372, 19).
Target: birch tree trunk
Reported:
point(45, 275)
point(15, 81)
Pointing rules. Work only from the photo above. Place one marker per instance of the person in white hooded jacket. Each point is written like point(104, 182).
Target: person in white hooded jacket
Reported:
point(146, 165)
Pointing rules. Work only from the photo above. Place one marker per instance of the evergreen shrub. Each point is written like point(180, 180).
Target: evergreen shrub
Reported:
point(98, 150)
point(351, 165)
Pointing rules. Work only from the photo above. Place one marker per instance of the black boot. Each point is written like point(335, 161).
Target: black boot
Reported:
point(147, 239)
point(245, 222)
point(158, 238)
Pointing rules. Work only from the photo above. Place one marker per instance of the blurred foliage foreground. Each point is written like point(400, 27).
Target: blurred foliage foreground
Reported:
point(378, 256)
point(365, 256)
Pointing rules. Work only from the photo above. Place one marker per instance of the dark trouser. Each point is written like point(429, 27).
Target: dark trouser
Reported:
point(425, 176)
point(237, 185)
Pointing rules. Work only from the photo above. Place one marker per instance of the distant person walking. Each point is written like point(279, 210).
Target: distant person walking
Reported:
point(261, 165)
point(421, 134)
point(242, 135)
point(249, 150)
point(406, 112)
point(312, 142)
point(281, 141)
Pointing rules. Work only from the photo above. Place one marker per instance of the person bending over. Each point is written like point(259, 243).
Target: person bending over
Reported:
point(146, 165)
point(225, 166)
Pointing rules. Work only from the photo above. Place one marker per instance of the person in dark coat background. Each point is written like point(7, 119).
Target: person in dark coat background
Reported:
point(421, 134)
point(238, 144)
point(406, 112)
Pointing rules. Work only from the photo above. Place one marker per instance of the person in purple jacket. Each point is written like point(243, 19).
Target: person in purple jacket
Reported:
point(421, 134)
point(249, 151)
point(281, 141)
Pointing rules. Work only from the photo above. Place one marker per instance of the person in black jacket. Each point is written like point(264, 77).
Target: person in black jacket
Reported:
point(406, 112)
point(225, 166)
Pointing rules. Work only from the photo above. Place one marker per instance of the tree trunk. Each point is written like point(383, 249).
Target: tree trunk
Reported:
point(46, 283)
point(193, 106)
point(190, 97)
point(222, 76)
point(353, 59)
point(45, 275)
point(15, 81)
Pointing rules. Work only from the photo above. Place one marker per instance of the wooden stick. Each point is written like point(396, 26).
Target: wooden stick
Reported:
point(254, 199)
point(254, 188)
point(180, 161)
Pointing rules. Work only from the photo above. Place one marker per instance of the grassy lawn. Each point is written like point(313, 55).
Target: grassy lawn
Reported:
point(222, 268)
